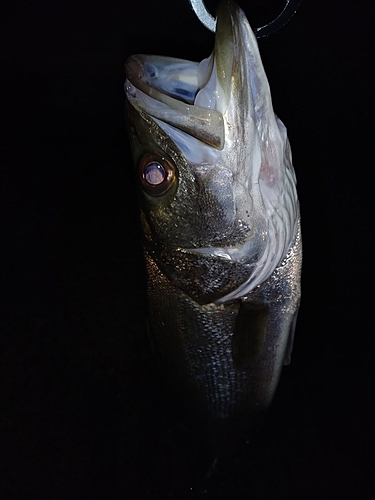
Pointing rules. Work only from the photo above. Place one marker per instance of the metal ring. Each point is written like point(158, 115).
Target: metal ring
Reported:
point(281, 20)
point(284, 17)
point(203, 15)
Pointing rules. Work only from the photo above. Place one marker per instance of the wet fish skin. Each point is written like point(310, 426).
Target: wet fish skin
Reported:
point(222, 245)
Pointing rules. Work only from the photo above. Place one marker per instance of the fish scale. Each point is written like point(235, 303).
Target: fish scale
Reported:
point(197, 341)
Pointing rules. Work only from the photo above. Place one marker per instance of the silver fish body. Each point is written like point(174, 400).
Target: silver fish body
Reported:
point(220, 217)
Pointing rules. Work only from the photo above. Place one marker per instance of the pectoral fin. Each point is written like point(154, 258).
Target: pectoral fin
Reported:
point(249, 333)
point(289, 347)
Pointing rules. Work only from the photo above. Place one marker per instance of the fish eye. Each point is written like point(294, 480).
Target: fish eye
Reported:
point(157, 174)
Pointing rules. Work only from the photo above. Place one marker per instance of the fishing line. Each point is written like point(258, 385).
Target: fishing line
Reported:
point(281, 20)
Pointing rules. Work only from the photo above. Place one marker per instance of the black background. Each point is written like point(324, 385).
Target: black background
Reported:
point(85, 414)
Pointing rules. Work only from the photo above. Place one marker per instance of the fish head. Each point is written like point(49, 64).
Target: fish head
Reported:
point(217, 189)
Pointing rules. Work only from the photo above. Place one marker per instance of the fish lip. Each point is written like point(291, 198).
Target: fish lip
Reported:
point(134, 70)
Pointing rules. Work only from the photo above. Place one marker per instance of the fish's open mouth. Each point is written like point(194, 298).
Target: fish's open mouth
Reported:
point(193, 97)
point(173, 77)
point(179, 93)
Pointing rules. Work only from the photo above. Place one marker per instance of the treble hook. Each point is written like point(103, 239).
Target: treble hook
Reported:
point(284, 17)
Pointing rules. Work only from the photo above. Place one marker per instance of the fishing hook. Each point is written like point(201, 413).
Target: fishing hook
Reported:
point(284, 17)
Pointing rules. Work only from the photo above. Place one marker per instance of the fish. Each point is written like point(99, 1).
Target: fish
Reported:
point(220, 218)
